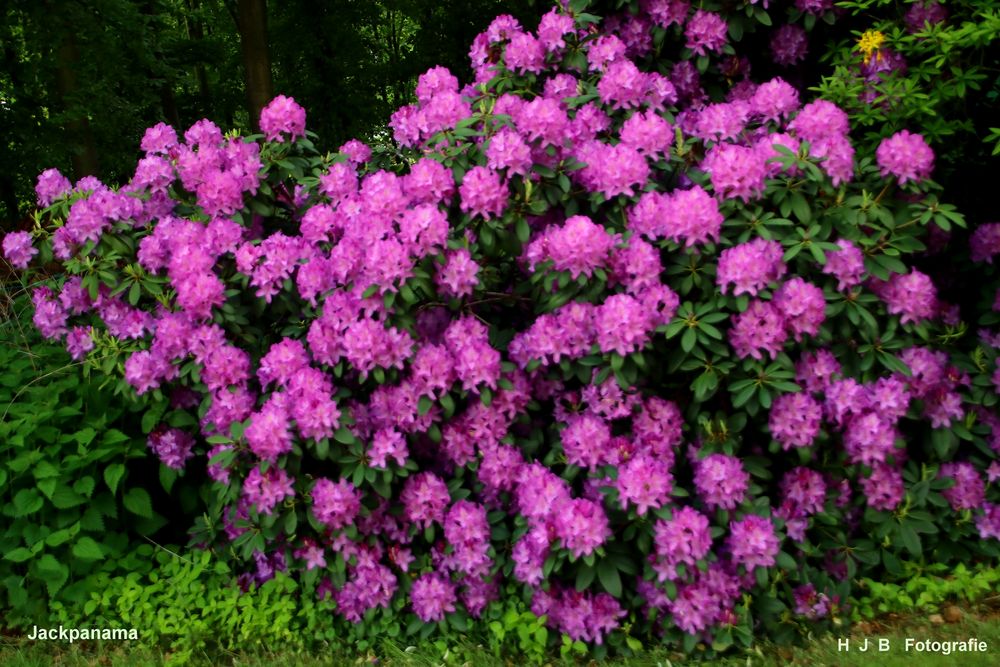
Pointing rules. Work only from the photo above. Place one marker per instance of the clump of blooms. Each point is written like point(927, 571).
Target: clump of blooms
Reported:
point(912, 296)
point(172, 446)
point(795, 420)
point(721, 481)
point(580, 615)
point(51, 185)
point(789, 45)
point(18, 250)
point(335, 504)
point(705, 31)
point(683, 540)
point(750, 267)
point(283, 119)
point(752, 542)
point(602, 329)
point(905, 156)
point(433, 595)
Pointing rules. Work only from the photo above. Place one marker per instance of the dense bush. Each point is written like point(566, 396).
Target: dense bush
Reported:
point(69, 494)
point(922, 64)
point(655, 366)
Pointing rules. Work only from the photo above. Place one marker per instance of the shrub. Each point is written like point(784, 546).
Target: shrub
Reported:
point(68, 487)
point(644, 363)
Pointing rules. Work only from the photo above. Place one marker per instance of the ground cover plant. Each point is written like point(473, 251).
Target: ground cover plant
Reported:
point(608, 334)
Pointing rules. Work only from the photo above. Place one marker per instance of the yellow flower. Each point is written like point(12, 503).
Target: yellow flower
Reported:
point(871, 41)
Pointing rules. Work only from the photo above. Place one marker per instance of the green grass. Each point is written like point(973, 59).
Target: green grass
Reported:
point(821, 652)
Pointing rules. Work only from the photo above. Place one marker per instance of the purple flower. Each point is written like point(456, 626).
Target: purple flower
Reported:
point(736, 171)
point(159, 139)
point(18, 250)
point(483, 193)
point(265, 490)
point(525, 54)
point(794, 420)
point(774, 100)
point(432, 596)
point(269, 433)
point(809, 603)
point(759, 329)
point(721, 481)
point(553, 27)
point(580, 615)
point(335, 504)
point(612, 170)
point(985, 242)
point(581, 526)
point(969, 492)
point(468, 532)
point(912, 296)
point(905, 156)
point(924, 13)
point(79, 341)
point(988, 523)
point(476, 362)
point(802, 305)
point(282, 116)
point(682, 540)
point(883, 488)
point(804, 492)
point(425, 498)
point(387, 444)
point(847, 265)
point(585, 440)
point(51, 185)
point(705, 32)
point(508, 150)
point(750, 266)
point(645, 482)
point(458, 276)
point(172, 446)
point(752, 542)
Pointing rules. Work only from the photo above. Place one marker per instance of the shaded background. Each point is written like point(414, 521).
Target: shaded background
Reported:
point(80, 81)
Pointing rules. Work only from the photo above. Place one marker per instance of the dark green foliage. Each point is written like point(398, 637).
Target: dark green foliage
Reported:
point(68, 485)
point(139, 62)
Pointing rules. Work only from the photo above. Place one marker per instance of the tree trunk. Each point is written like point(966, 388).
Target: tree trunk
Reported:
point(251, 20)
point(196, 33)
point(85, 155)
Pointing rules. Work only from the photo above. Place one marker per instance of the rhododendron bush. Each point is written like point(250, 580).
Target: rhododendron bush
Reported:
point(654, 364)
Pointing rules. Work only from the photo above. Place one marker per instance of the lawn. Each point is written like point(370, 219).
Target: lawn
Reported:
point(982, 624)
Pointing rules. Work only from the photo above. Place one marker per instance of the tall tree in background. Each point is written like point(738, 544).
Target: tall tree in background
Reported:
point(80, 80)
point(84, 155)
point(251, 20)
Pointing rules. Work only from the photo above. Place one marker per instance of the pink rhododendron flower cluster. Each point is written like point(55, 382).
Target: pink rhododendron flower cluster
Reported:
point(568, 342)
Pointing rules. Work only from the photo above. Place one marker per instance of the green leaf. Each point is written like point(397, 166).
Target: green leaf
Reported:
point(609, 577)
point(344, 436)
point(911, 541)
point(84, 486)
point(27, 501)
point(689, 339)
point(65, 497)
point(58, 537)
point(18, 555)
point(85, 435)
point(424, 405)
point(800, 207)
point(113, 474)
point(87, 549)
point(137, 502)
point(44, 470)
point(522, 230)
point(53, 572)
